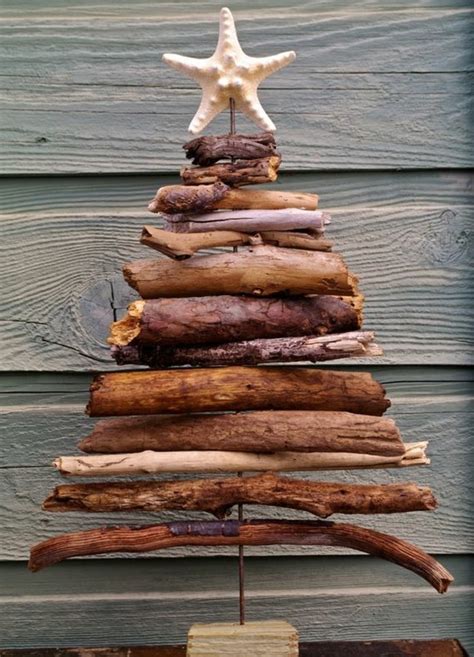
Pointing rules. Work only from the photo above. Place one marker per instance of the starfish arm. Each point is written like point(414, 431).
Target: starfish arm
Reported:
point(252, 107)
point(208, 110)
point(265, 66)
point(228, 40)
point(190, 66)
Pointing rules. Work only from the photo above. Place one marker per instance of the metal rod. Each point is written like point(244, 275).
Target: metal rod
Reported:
point(232, 115)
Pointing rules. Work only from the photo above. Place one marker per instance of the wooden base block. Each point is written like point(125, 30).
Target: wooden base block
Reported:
point(256, 639)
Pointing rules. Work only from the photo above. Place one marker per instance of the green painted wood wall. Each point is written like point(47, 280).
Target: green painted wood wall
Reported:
point(374, 116)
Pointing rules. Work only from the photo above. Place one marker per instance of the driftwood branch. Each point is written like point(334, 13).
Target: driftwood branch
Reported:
point(261, 270)
point(233, 532)
point(180, 246)
point(224, 318)
point(236, 174)
point(150, 462)
point(218, 496)
point(210, 149)
point(249, 221)
point(255, 431)
point(235, 389)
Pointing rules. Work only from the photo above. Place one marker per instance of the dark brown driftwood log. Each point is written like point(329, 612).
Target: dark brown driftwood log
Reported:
point(180, 246)
point(235, 389)
point(353, 344)
point(223, 318)
point(175, 199)
point(233, 532)
point(236, 174)
point(260, 270)
point(249, 221)
point(257, 431)
point(218, 496)
point(210, 149)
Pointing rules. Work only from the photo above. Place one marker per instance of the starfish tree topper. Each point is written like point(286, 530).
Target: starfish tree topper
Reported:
point(229, 74)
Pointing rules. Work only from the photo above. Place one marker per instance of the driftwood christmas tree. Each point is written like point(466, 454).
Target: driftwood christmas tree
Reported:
point(274, 293)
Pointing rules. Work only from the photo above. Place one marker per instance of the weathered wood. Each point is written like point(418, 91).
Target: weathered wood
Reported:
point(251, 532)
point(354, 344)
point(235, 174)
point(176, 199)
point(235, 389)
point(261, 270)
point(208, 149)
point(257, 638)
point(218, 496)
point(184, 245)
point(249, 221)
point(262, 431)
point(150, 462)
point(225, 318)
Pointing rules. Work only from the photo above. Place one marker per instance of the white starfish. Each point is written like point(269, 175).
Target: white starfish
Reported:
point(229, 73)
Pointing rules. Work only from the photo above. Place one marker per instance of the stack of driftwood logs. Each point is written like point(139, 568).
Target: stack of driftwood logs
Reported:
point(280, 296)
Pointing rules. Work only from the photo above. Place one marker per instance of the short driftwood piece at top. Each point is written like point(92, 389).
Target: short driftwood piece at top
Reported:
point(150, 462)
point(177, 199)
point(181, 246)
point(253, 431)
point(226, 318)
point(235, 174)
point(209, 149)
point(249, 221)
point(232, 532)
point(235, 389)
point(353, 344)
point(260, 270)
point(218, 496)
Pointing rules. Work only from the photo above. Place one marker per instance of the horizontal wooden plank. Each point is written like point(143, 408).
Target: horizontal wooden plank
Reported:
point(112, 603)
point(371, 88)
point(427, 403)
point(407, 237)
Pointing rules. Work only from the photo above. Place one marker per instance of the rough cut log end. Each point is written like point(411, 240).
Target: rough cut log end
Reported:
point(127, 328)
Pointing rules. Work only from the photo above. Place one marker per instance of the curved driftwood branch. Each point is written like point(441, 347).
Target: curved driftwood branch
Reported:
point(260, 270)
point(181, 246)
point(218, 496)
point(149, 462)
point(235, 389)
point(209, 149)
point(233, 532)
point(354, 344)
point(235, 174)
point(261, 431)
point(225, 318)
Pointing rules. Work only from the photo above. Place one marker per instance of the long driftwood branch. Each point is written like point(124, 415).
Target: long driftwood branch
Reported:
point(223, 318)
point(150, 462)
point(233, 532)
point(354, 344)
point(235, 389)
point(254, 431)
point(249, 221)
point(261, 271)
point(210, 149)
point(181, 246)
point(218, 496)
point(235, 174)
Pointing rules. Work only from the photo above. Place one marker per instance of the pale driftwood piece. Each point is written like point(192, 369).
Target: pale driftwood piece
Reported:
point(254, 431)
point(260, 270)
point(225, 318)
point(177, 199)
point(183, 245)
point(235, 389)
point(249, 221)
point(232, 532)
point(150, 462)
point(207, 150)
point(354, 344)
point(235, 174)
point(256, 638)
point(218, 496)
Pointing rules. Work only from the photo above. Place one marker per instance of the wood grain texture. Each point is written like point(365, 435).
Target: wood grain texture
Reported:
point(70, 287)
point(389, 87)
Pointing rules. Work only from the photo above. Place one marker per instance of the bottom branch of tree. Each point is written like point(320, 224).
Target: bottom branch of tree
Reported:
point(217, 496)
point(232, 532)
